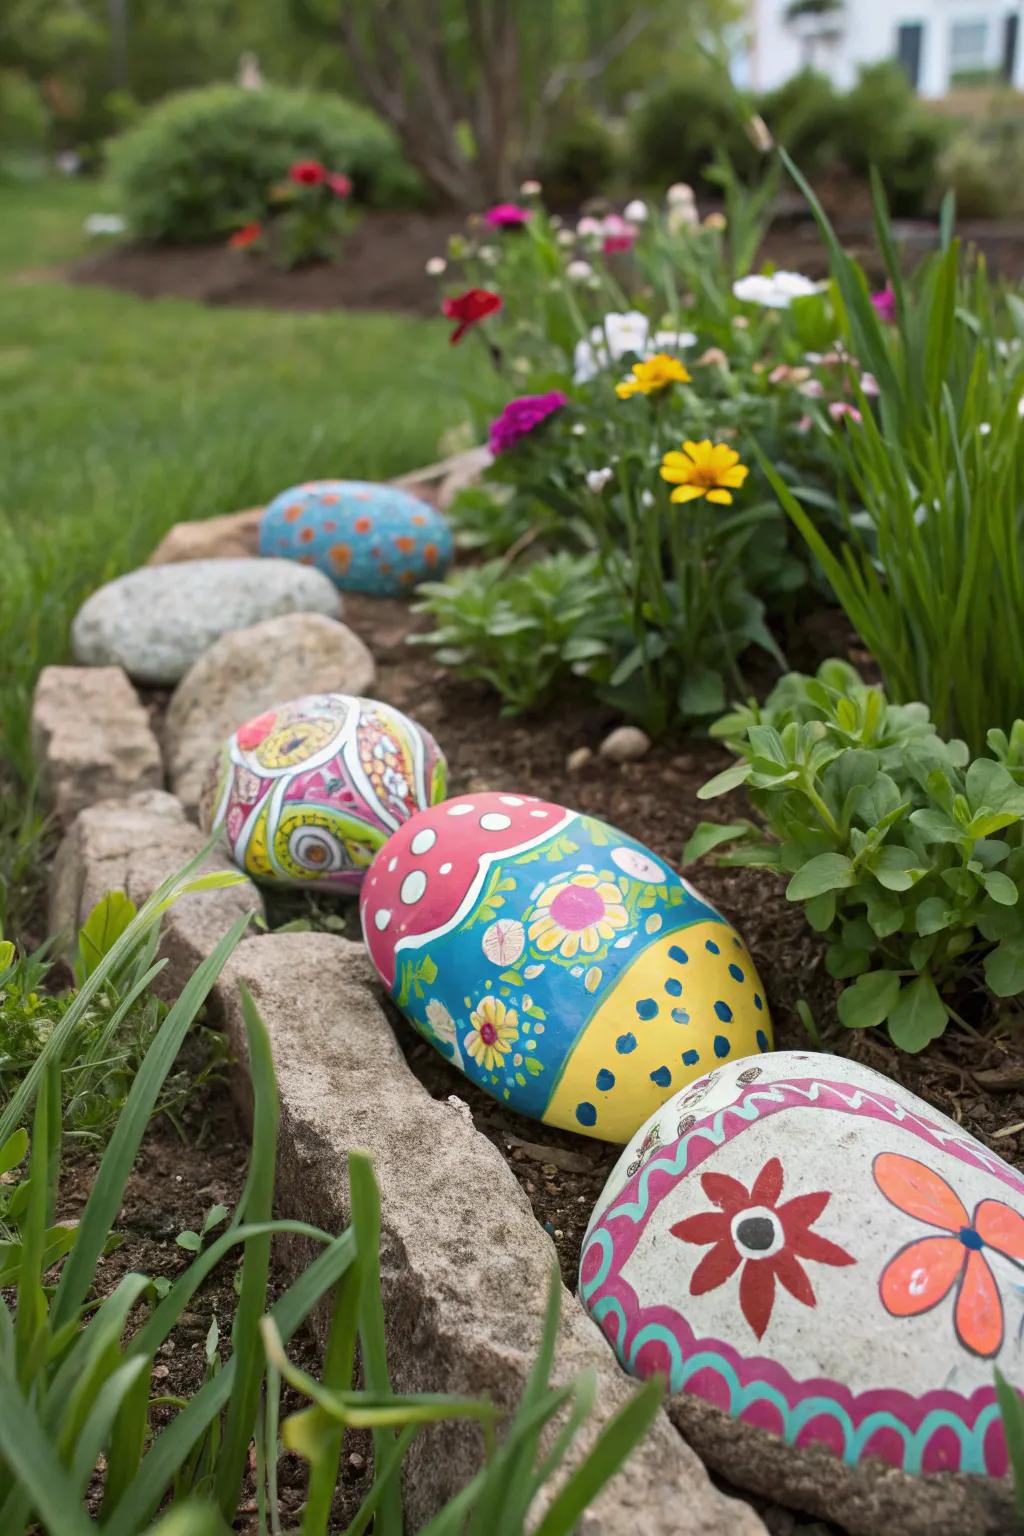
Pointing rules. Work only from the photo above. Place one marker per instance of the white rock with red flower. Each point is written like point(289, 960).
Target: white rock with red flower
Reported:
point(806, 1245)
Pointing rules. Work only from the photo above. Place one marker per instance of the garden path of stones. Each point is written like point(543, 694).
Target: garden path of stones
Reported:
point(465, 1262)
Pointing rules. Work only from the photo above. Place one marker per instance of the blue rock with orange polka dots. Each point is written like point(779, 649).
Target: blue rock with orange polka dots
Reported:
point(366, 537)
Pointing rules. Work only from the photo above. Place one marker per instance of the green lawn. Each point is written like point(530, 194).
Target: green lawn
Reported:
point(120, 417)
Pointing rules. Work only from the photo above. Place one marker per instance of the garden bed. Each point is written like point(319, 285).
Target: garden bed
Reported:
point(385, 259)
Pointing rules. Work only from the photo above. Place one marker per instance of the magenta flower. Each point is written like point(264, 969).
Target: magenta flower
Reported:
point(506, 216)
point(885, 304)
point(521, 417)
point(840, 408)
point(618, 234)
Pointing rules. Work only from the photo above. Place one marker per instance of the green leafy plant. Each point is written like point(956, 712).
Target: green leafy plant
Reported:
point(200, 163)
point(110, 1036)
point(524, 631)
point(906, 854)
point(930, 565)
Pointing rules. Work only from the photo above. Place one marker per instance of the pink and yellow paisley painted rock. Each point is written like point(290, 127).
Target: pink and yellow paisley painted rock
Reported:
point(808, 1246)
point(308, 791)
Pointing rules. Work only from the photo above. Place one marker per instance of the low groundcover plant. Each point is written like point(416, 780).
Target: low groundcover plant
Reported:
point(906, 853)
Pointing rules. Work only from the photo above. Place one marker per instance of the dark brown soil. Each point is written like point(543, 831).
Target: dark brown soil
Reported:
point(385, 260)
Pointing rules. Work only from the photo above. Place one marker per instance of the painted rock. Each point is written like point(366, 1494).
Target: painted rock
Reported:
point(557, 963)
point(367, 538)
point(808, 1246)
point(308, 791)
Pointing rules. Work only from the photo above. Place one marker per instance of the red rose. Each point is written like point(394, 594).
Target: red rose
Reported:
point(308, 173)
point(340, 185)
point(246, 236)
point(468, 308)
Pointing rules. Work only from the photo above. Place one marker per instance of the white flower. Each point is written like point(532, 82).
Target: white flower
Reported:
point(589, 228)
point(578, 271)
point(104, 224)
point(647, 498)
point(681, 217)
point(678, 193)
point(436, 266)
point(489, 254)
point(578, 429)
point(597, 479)
point(776, 291)
point(618, 335)
point(443, 1026)
point(984, 428)
point(530, 189)
point(566, 237)
point(636, 211)
point(1020, 406)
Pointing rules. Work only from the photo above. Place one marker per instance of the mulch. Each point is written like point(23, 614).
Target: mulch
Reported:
point(384, 263)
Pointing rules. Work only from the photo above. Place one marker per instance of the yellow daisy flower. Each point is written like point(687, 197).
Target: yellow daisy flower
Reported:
point(652, 375)
point(704, 469)
point(578, 915)
point(495, 1030)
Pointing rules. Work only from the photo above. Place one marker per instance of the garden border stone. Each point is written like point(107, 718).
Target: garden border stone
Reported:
point(133, 844)
point(465, 1265)
point(91, 738)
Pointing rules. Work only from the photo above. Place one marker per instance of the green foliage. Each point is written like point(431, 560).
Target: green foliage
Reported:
point(1011, 1410)
point(525, 632)
point(580, 160)
point(803, 116)
point(930, 567)
point(23, 120)
point(883, 126)
point(906, 854)
point(77, 1368)
point(983, 162)
point(681, 129)
point(202, 161)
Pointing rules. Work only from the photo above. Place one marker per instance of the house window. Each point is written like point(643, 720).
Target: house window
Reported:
point(968, 51)
point(909, 47)
point(1011, 32)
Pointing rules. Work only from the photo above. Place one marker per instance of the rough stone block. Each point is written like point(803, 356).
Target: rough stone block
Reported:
point(133, 845)
point(465, 1264)
point(91, 738)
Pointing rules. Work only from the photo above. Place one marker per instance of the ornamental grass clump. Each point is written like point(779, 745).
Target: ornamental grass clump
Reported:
point(929, 562)
point(905, 852)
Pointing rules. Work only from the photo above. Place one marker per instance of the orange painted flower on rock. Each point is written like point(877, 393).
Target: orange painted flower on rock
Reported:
point(924, 1272)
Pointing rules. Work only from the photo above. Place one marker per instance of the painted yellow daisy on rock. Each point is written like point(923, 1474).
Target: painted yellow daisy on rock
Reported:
point(704, 469)
point(578, 915)
point(652, 376)
point(495, 1030)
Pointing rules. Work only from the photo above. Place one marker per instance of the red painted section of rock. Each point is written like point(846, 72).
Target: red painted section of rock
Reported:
point(422, 875)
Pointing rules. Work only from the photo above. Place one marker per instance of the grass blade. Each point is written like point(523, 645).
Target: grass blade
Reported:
point(366, 1225)
point(252, 1296)
point(617, 1441)
point(29, 1452)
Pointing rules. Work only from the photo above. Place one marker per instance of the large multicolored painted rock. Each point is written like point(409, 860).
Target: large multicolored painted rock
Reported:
point(308, 791)
point(557, 962)
point(366, 537)
point(813, 1249)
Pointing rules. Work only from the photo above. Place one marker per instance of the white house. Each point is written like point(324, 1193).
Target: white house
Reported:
point(940, 43)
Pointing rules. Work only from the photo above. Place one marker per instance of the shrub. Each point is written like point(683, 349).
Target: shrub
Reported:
point(881, 123)
point(579, 161)
point(680, 130)
point(23, 119)
point(200, 163)
point(904, 853)
point(803, 116)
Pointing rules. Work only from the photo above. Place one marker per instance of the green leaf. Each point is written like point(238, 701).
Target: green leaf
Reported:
point(896, 868)
point(919, 1017)
point(703, 693)
point(936, 827)
point(722, 783)
point(884, 914)
point(1011, 1410)
point(869, 1001)
point(108, 920)
point(1001, 888)
point(826, 872)
point(820, 911)
point(1004, 968)
point(933, 915)
point(710, 834)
